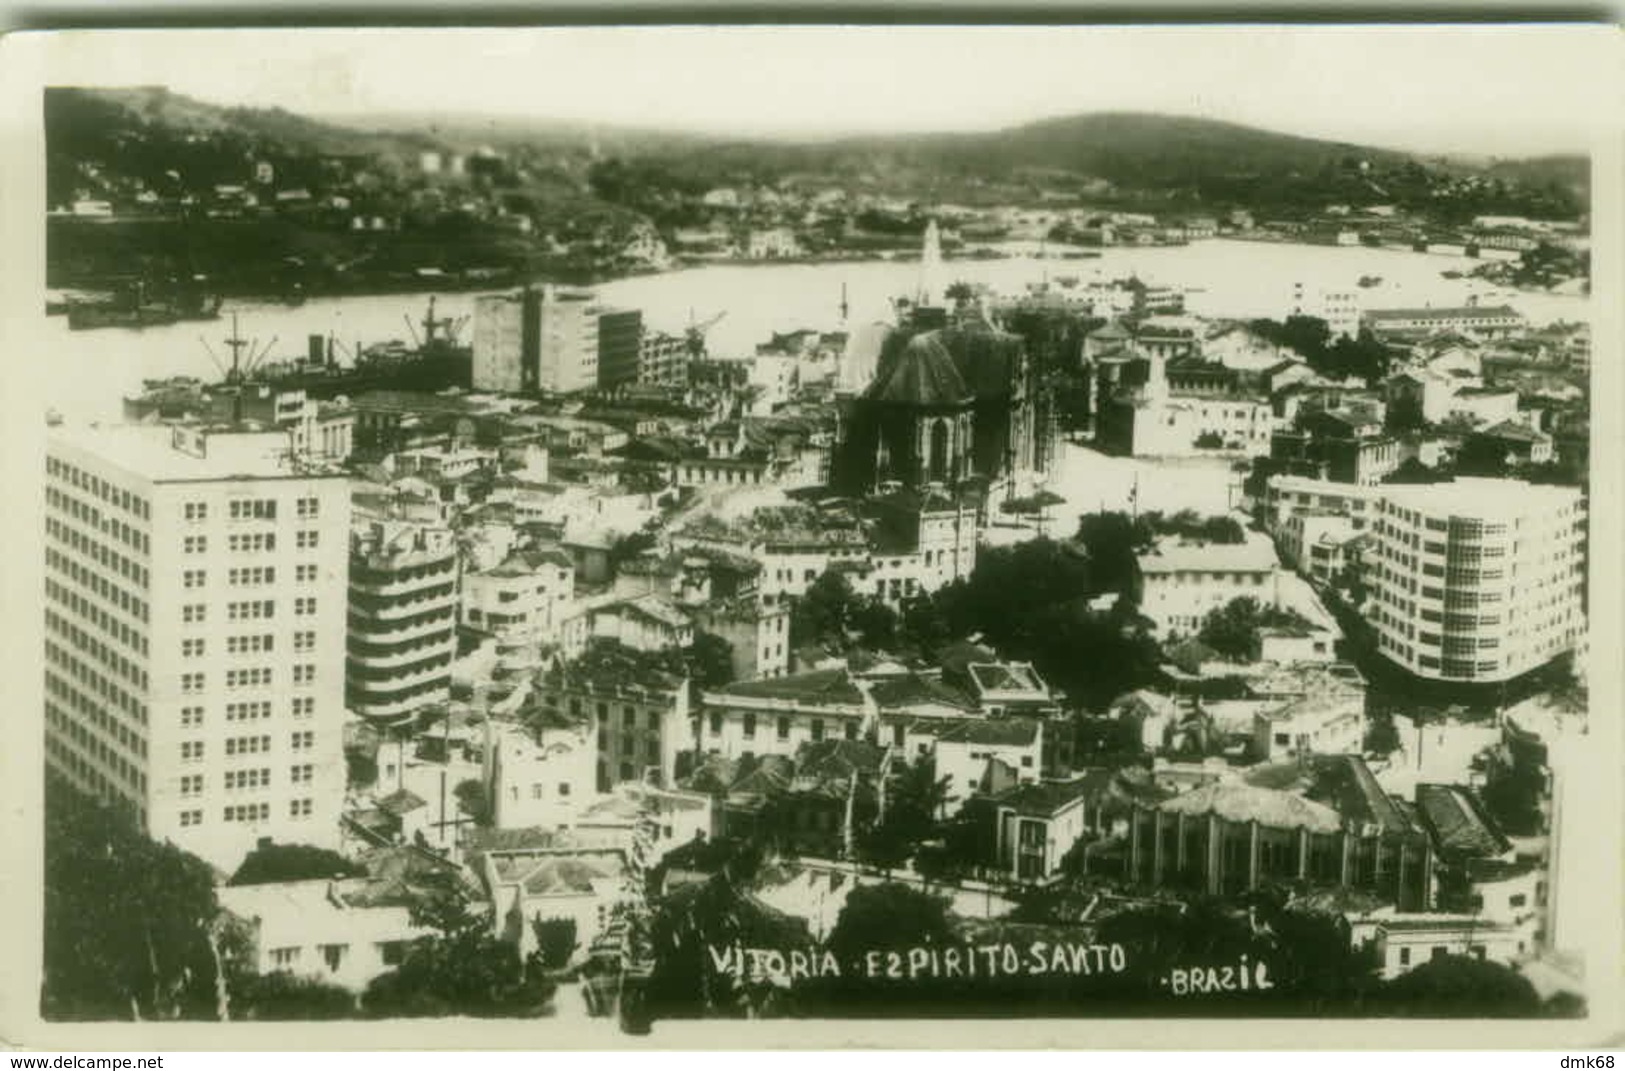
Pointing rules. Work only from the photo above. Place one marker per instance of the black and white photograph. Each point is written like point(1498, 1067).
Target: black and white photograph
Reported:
point(624, 530)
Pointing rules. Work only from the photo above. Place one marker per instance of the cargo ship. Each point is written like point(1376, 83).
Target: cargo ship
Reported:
point(436, 362)
point(132, 306)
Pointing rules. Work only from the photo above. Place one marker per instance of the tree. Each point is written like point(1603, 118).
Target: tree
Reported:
point(1112, 540)
point(924, 625)
point(914, 801)
point(1382, 737)
point(271, 863)
point(1233, 629)
point(460, 969)
point(824, 613)
point(688, 925)
point(1414, 471)
point(1460, 987)
point(127, 919)
point(710, 661)
point(876, 624)
point(474, 800)
point(556, 941)
point(283, 997)
point(889, 915)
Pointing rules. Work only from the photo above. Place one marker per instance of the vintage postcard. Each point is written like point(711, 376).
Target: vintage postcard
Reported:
point(912, 536)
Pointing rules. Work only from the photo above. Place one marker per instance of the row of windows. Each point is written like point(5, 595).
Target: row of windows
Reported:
point(251, 576)
point(251, 542)
point(95, 684)
point(252, 610)
point(241, 780)
point(782, 727)
point(247, 745)
point(84, 713)
point(249, 711)
point(131, 503)
point(251, 509)
point(91, 517)
point(95, 582)
point(252, 677)
point(77, 763)
point(85, 642)
point(248, 812)
point(97, 551)
point(251, 644)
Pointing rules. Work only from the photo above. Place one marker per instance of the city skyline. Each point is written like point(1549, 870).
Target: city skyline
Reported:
point(757, 81)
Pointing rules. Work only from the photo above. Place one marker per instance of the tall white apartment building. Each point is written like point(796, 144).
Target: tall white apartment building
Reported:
point(538, 338)
point(195, 619)
point(403, 617)
point(1477, 580)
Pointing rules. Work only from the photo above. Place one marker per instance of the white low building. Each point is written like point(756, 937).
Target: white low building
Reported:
point(963, 750)
point(541, 773)
point(1181, 583)
point(344, 931)
point(1404, 942)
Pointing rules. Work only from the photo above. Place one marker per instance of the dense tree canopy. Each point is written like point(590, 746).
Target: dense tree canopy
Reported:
point(1233, 630)
point(462, 968)
point(128, 921)
point(292, 862)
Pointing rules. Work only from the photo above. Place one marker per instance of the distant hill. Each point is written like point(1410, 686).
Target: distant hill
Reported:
point(1129, 147)
point(157, 106)
point(119, 142)
point(1568, 171)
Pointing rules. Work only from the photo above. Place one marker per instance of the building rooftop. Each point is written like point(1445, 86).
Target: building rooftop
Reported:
point(1512, 430)
point(830, 686)
point(1481, 497)
point(1237, 802)
point(996, 732)
point(1460, 826)
point(1255, 555)
point(1346, 784)
point(895, 693)
point(1006, 677)
point(168, 453)
point(1457, 313)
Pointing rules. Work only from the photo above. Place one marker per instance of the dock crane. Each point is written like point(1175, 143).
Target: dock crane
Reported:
point(697, 331)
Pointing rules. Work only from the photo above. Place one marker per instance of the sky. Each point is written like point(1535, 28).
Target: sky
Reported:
point(1484, 90)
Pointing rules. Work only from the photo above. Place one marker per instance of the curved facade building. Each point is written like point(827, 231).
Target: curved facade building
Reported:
point(403, 618)
point(1478, 580)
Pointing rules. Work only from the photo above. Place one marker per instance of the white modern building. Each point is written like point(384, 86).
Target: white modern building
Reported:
point(536, 339)
point(195, 623)
point(1477, 580)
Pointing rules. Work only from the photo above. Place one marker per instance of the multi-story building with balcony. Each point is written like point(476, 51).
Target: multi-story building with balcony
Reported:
point(403, 617)
point(193, 619)
point(1477, 580)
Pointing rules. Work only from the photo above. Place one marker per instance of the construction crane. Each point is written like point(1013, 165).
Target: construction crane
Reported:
point(697, 332)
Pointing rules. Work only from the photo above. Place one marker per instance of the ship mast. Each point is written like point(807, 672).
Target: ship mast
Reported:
point(236, 342)
point(429, 324)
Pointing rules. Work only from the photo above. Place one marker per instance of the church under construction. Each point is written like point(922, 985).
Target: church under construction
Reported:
point(953, 401)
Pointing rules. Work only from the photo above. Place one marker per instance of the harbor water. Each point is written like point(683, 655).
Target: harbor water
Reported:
point(87, 373)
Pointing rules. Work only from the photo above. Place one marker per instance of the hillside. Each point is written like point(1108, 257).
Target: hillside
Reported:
point(1131, 148)
point(157, 106)
point(1569, 172)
